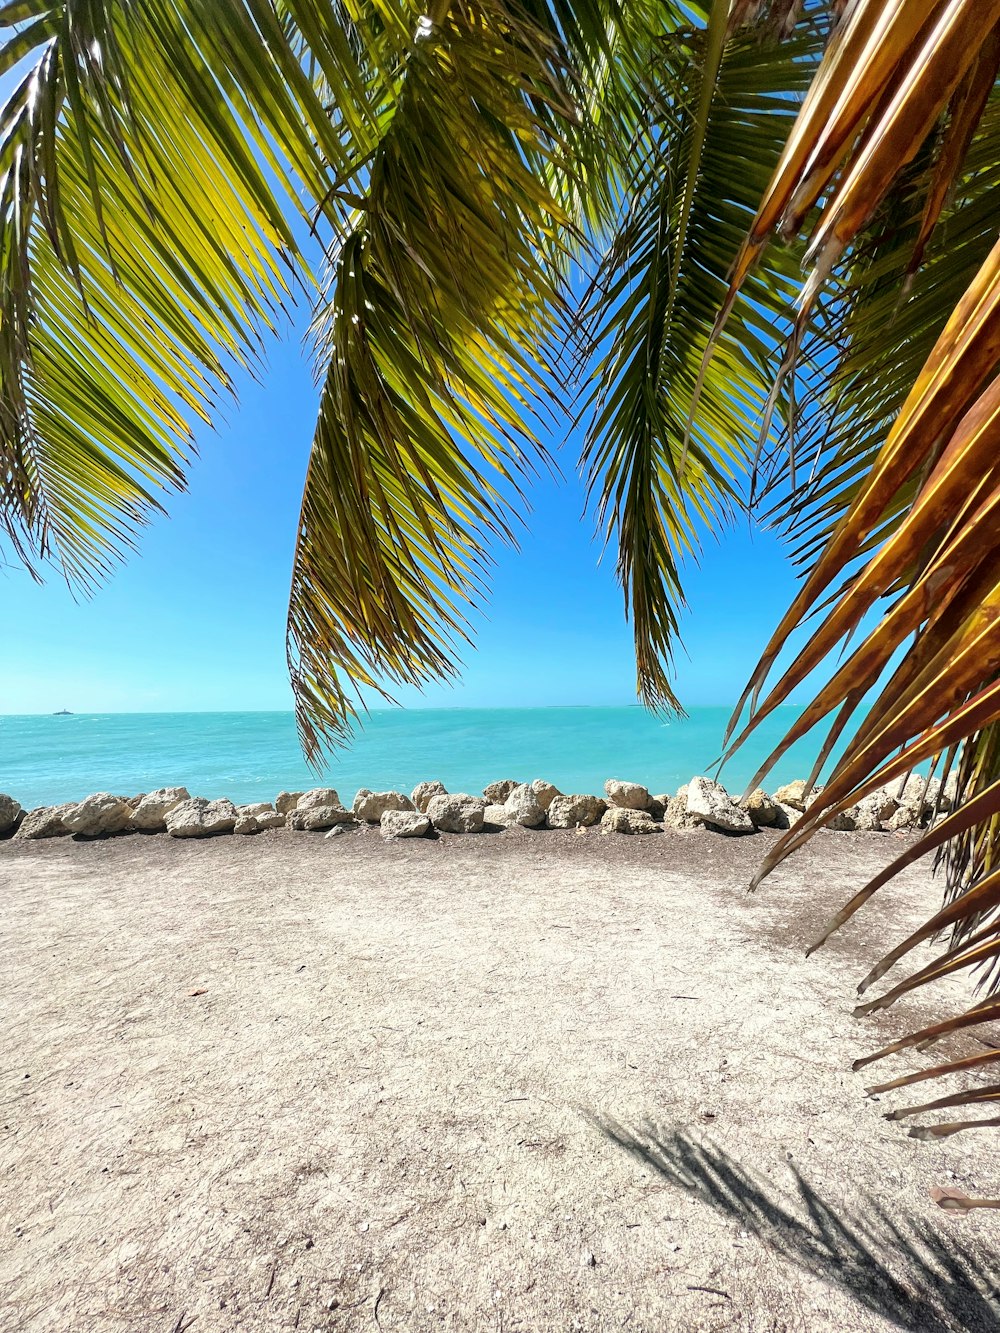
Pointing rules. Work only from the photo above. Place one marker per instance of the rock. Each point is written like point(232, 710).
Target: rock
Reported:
point(920, 796)
point(658, 805)
point(908, 790)
point(423, 792)
point(45, 821)
point(842, 823)
point(713, 804)
point(787, 815)
point(496, 816)
point(905, 817)
point(626, 795)
point(199, 818)
point(10, 814)
point(317, 798)
point(457, 813)
point(404, 824)
point(872, 810)
point(763, 811)
point(545, 793)
point(793, 794)
point(677, 814)
point(151, 813)
point(621, 819)
point(497, 792)
point(314, 818)
point(790, 814)
point(523, 807)
point(319, 808)
point(370, 806)
point(98, 815)
point(935, 793)
point(949, 792)
point(573, 811)
point(866, 816)
point(257, 817)
point(286, 801)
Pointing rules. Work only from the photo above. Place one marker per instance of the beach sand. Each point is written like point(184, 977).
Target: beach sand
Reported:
point(524, 1081)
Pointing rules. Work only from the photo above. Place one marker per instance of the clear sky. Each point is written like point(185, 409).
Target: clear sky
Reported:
point(196, 620)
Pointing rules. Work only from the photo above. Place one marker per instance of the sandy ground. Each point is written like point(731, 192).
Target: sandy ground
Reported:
point(507, 1083)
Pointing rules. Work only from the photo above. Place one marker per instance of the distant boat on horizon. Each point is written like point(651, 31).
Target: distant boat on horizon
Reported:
point(63, 712)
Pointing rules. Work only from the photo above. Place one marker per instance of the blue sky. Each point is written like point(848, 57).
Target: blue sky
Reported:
point(196, 620)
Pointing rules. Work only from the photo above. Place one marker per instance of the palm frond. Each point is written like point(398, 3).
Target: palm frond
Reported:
point(654, 300)
point(145, 243)
point(899, 110)
point(432, 349)
point(887, 320)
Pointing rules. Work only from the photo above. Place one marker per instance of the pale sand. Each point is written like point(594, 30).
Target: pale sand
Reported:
point(507, 1083)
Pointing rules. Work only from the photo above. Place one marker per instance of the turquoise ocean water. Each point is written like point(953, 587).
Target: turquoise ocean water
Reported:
point(252, 756)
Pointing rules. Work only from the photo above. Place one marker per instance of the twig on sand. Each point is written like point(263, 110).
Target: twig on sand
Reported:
point(381, 1293)
point(714, 1291)
point(180, 1326)
point(270, 1280)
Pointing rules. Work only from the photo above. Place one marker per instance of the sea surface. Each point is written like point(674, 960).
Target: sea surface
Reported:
point(252, 756)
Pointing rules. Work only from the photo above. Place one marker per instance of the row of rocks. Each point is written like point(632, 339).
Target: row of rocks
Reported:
point(626, 807)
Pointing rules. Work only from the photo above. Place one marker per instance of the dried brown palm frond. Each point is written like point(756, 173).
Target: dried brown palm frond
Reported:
point(912, 515)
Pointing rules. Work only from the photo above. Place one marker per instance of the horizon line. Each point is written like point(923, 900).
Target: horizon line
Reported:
point(397, 708)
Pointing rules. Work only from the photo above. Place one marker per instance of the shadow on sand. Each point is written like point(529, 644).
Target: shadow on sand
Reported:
point(902, 1268)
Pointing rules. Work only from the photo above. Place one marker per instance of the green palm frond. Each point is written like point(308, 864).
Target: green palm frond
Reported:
point(145, 244)
point(444, 295)
point(708, 106)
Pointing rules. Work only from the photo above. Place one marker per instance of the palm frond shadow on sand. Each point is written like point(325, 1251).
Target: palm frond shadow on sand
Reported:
point(901, 1268)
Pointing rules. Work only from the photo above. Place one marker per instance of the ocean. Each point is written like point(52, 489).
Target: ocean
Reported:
point(252, 756)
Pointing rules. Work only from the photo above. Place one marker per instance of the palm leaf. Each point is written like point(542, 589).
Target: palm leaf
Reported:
point(907, 509)
point(144, 224)
point(888, 320)
point(651, 309)
point(445, 291)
